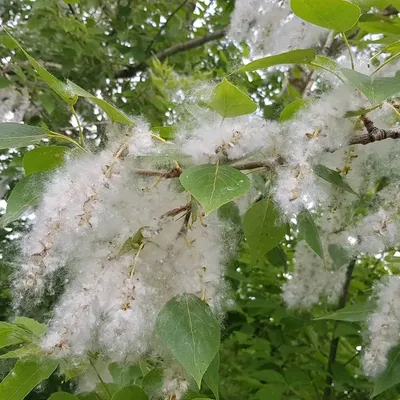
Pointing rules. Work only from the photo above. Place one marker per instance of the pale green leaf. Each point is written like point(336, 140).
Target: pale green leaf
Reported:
point(211, 376)
point(188, 328)
point(63, 90)
point(309, 232)
point(113, 113)
point(33, 326)
point(26, 194)
point(337, 15)
point(19, 135)
point(24, 377)
point(229, 101)
point(214, 185)
point(338, 255)
point(263, 228)
point(375, 89)
point(299, 56)
point(391, 376)
point(352, 313)
point(292, 108)
point(152, 382)
point(130, 392)
point(43, 159)
point(332, 177)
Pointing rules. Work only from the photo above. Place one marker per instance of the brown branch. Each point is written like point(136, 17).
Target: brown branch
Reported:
point(170, 51)
point(373, 133)
point(335, 340)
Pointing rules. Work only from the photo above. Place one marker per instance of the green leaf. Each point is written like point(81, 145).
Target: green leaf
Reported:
point(133, 242)
point(63, 90)
point(229, 101)
point(270, 376)
point(277, 257)
point(291, 109)
point(337, 15)
point(165, 132)
point(263, 228)
point(11, 334)
point(352, 313)
point(33, 326)
point(375, 89)
point(333, 177)
point(188, 328)
point(152, 382)
point(62, 396)
point(24, 377)
point(130, 392)
point(211, 376)
point(214, 185)
point(271, 391)
point(26, 194)
point(300, 56)
point(339, 255)
point(325, 64)
point(22, 352)
point(19, 135)
point(43, 159)
point(391, 376)
point(114, 114)
point(309, 232)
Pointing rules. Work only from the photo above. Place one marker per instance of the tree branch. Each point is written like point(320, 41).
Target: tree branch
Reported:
point(164, 26)
point(170, 51)
point(335, 340)
point(373, 133)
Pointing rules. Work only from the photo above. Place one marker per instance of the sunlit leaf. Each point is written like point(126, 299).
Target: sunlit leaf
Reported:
point(43, 159)
point(19, 135)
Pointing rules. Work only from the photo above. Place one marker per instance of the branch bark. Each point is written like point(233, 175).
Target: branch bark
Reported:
point(335, 340)
point(170, 51)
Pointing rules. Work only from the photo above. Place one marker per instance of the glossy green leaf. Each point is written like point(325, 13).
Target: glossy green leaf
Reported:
point(214, 185)
point(24, 377)
point(337, 15)
point(113, 113)
point(333, 177)
point(309, 232)
point(391, 376)
point(188, 328)
point(229, 101)
point(19, 135)
point(25, 195)
point(300, 56)
point(352, 313)
point(211, 376)
point(130, 392)
point(43, 159)
point(62, 396)
point(62, 89)
point(11, 334)
point(31, 325)
point(263, 228)
point(375, 89)
point(292, 108)
point(338, 255)
point(23, 352)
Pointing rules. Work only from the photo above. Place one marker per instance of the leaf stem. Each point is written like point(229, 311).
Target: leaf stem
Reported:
point(386, 62)
point(349, 48)
point(81, 136)
point(100, 379)
point(56, 135)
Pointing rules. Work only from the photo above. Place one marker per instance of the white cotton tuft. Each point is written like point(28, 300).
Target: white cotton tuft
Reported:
point(269, 26)
point(383, 327)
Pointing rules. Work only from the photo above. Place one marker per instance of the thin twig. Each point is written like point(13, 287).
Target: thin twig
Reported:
point(335, 340)
point(164, 26)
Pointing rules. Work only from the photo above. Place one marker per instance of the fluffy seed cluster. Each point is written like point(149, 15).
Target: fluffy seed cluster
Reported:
point(269, 26)
point(383, 327)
